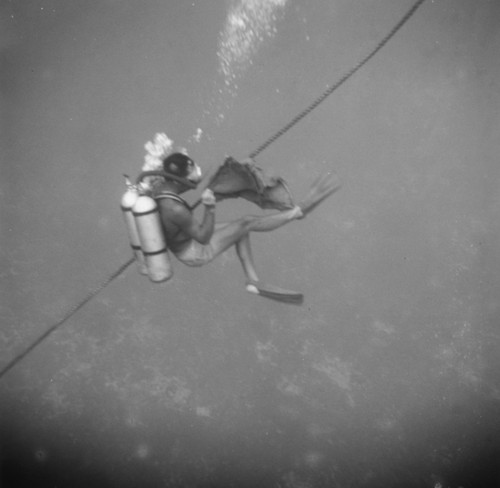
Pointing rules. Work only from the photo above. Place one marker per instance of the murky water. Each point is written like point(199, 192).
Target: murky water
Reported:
point(387, 376)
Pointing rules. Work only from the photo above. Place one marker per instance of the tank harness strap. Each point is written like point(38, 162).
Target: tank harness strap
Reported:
point(172, 196)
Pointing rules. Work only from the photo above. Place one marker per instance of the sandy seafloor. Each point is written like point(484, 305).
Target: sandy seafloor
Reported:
point(387, 375)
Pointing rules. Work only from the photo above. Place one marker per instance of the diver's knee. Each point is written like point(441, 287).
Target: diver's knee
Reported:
point(246, 223)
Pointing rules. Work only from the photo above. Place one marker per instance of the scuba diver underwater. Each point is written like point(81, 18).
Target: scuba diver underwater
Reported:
point(160, 221)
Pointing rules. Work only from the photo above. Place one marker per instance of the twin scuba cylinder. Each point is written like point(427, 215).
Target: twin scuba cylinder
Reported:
point(142, 218)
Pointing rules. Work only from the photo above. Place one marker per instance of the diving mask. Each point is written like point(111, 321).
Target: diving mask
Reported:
point(194, 175)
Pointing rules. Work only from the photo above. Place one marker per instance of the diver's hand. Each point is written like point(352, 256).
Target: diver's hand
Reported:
point(208, 198)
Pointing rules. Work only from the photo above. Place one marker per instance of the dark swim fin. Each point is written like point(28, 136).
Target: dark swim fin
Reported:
point(275, 293)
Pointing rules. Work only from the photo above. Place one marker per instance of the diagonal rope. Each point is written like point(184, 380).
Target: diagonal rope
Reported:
point(91, 294)
point(342, 80)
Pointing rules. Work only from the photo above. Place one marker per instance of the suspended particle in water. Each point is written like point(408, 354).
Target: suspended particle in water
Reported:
point(203, 412)
point(142, 451)
point(313, 459)
point(41, 455)
point(198, 134)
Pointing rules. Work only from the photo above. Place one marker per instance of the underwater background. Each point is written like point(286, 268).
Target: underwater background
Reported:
point(387, 375)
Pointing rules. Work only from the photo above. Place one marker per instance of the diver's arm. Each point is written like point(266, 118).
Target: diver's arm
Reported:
point(206, 228)
point(208, 224)
point(183, 218)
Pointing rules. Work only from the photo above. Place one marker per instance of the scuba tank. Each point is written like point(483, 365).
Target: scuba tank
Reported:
point(128, 200)
point(145, 233)
point(145, 230)
point(153, 245)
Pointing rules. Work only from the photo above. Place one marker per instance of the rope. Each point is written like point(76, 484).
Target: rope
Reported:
point(342, 80)
point(92, 293)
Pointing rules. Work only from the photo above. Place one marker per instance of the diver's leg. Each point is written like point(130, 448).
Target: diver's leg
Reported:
point(237, 233)
point(244, 252)
point(228, 235)
point(253, 285)
point(271, 222)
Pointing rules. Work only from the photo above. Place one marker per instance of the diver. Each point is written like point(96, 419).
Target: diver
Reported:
point(197, 243)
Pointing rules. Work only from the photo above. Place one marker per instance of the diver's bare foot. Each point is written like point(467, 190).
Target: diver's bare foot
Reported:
point(321, 189)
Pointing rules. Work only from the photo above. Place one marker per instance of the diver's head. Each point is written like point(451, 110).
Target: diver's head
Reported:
point(180, 165)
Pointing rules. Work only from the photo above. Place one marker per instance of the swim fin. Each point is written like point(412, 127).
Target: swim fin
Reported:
point(275, 293)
